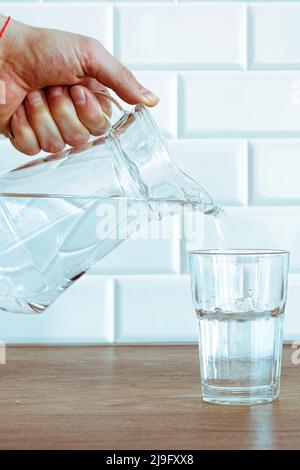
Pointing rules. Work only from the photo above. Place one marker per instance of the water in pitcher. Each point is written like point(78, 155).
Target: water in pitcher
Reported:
point(49, 242)
point(61, 214)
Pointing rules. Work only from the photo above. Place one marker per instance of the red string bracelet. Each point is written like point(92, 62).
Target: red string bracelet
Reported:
point(5, 26)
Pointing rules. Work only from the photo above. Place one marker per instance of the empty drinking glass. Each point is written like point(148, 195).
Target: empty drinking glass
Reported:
point(240, 298)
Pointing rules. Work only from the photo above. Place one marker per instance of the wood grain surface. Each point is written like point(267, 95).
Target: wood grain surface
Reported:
point(132, 397)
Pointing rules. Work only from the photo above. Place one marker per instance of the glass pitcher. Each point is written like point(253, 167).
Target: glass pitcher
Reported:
point(51, 208)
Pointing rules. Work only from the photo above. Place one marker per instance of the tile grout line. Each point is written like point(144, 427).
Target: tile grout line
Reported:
point(249, 37)
point(246, 38)
point(249, 174)
point(185, 67)
point(177, 105)
point(180, 110)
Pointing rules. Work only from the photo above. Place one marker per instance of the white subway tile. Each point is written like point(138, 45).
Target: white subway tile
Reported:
point(154, 302)
point(164, 85)
point(292, 314)
point(166, 35)
point(274, 35)
point(258, 227)
point(155, 309)
point(275, 170)
point(83, 314)
point(146, 256)
point(160, 309)
point(114, 1)
point(219, 165)
point(19, 1)
point(93, 19)
point(231, 1)
point(239, 104)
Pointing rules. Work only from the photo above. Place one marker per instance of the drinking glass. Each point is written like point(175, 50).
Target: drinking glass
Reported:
point(240, 297)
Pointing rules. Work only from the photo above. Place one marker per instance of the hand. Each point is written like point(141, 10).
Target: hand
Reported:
point(49, 118)
point(49, 75)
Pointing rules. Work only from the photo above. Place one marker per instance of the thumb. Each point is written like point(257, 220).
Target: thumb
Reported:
point(100, 64)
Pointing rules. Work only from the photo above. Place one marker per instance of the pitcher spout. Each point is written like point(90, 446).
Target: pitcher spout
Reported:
point(195, 194)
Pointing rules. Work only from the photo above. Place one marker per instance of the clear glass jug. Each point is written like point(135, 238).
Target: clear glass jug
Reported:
point(51, 208)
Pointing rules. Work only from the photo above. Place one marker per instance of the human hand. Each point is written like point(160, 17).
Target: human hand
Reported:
point(49, 75)
point(49, 118)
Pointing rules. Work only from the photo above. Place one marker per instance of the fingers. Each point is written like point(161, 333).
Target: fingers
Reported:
point(24, 139)
point(42, 122)
point(62, 115)
point(100, 64)
point(65, 116)
point(89, 110)
point(77, 113)
point(96, 88)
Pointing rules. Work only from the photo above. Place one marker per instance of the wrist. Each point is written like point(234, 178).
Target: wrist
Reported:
point(2, 46)
point(13, 44)
point(5, 43)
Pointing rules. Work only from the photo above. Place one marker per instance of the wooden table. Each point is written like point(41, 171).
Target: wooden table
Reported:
point(132, 397)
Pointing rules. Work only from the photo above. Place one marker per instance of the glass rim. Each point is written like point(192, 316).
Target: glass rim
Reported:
point(240, 252)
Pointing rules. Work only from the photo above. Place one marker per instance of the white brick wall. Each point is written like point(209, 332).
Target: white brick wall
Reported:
point(188, 36)
point(228, 74)
point(274, 36)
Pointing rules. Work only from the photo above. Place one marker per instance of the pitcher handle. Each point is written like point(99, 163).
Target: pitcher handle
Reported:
point(114, 101)
point(10, 134)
